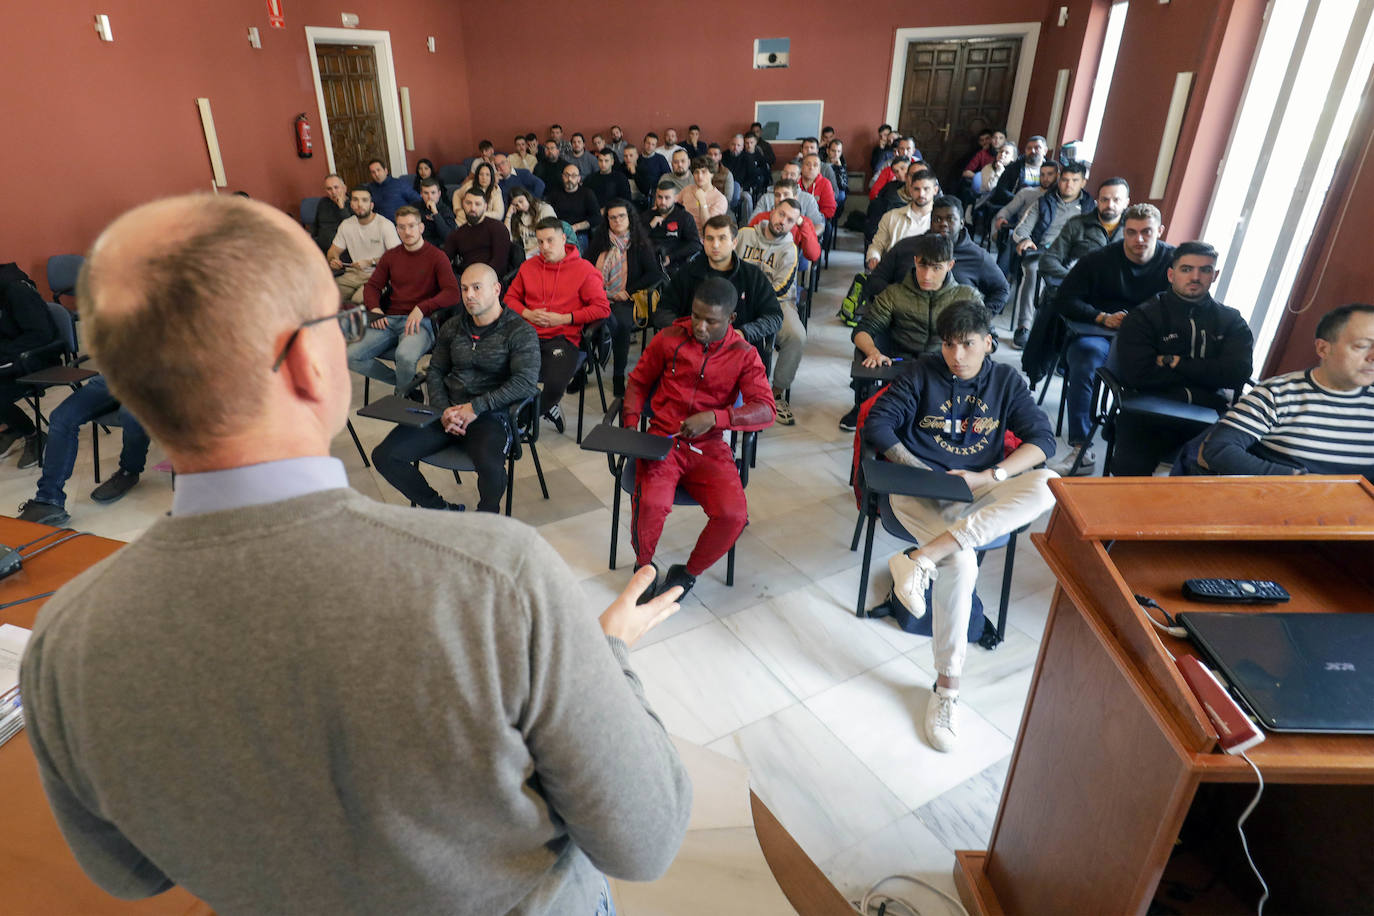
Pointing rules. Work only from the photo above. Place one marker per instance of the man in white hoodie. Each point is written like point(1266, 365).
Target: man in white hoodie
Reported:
point(770, 245)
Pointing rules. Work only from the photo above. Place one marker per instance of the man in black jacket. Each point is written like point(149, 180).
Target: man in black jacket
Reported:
point(608, 183)
point(1182, 345)
point(671, 228)
point(575, 205)
point(973, 265)
point(485, 360)
point(25, 325)
point(332, 210)
point(1039, 228)
point(1101, 289)
point(758, 315)
point(436, 212)
point(1023, 173)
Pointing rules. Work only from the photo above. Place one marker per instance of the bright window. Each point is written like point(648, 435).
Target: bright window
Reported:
point(1102, 82)
point(1295, 118)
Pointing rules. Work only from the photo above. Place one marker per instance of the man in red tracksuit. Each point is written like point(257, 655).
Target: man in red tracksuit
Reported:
point(701, 366)
point(559, 293)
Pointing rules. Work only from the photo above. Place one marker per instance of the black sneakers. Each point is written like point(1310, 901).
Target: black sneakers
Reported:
point(32, 456)
point(555, 416)
point(850, 421)
point(114, 487)
point(678, 575)
point(42, 513)
point(1019, 339)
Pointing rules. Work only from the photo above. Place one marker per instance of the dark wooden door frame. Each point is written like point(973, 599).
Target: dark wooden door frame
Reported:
point(353, 103)
point(387, 85)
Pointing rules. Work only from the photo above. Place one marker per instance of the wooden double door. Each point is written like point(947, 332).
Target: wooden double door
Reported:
point(353, 105)
point(953, 89)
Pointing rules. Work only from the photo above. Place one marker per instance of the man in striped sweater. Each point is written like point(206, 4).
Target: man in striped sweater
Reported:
point(1315, 421)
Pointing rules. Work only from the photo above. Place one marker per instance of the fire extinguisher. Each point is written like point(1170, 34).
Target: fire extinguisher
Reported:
point(304, 148)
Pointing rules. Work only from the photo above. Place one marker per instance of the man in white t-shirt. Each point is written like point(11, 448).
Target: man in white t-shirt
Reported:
point(365, 236)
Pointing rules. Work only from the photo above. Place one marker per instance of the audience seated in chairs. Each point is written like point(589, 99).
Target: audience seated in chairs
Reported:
point(509, 176)
point(745, 167)
point(804, 233)
point(671, 229)
point(948, 412)
point(690, 378)
point(364, 237)
point(1011, 213)
point(973, 266)
point(617, 141)
point(526, 212)
point(894, 195)
point(1019, 174)
point(608, 183)
point(787, 188)
point(549, 169)
point(771, 245)
point(760, 163)
point(653, 163)
point(483, 177)
point(903, 148)
point(575, 205)
point(900, 322)
point(330, 212)
point(817, 185)
point(580, 156)
point(883, 150)
point(523, 157)
point(700, 198)
point(1038, 229)
point(989, 141)
point(560, 293)
point(810, 146)
point(624, 254)
point(425, 169)
point(421, 280)
point(25, 326)
point(757, 314)
point(680, 169)
point(721, 177)
point(1086, 232)
point(642, 180)
point(1101, 289)
point(485, 361)
point(481, 239)
point(1182, 345)
point(87, 403)
point(913, 219)
point(389, 194)
point(1313, 421)
point(436, 213)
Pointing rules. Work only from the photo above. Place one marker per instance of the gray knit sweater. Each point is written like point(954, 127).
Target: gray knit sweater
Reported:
point(329, 705)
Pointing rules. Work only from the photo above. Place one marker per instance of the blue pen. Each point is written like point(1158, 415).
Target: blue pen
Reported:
point(424, 410)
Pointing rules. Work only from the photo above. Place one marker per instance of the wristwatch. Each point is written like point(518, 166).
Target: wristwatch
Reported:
point(999, 473)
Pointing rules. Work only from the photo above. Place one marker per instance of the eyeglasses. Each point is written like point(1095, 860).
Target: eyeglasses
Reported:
point(352, 322)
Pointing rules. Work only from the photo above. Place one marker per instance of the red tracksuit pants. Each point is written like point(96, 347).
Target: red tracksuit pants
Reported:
point(710, 477)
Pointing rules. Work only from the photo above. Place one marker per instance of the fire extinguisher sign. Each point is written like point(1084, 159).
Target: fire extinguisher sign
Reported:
point(274, 15)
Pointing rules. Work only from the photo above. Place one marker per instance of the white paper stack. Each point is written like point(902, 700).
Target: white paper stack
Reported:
point(12, 642)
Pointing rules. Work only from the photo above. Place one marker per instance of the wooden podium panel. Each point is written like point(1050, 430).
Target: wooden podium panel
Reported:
point(1113, 746)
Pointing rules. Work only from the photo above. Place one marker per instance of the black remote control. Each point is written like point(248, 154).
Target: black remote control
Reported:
point(1235, 591)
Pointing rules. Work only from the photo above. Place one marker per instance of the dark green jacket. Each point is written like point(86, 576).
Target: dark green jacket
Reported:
point(905, 314)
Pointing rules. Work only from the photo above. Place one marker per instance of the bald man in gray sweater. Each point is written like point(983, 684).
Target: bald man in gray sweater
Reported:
point(288, 698)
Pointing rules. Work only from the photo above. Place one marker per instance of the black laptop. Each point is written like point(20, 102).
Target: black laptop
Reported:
point(1296, 672)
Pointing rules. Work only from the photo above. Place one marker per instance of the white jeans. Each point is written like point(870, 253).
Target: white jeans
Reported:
point(997, 509)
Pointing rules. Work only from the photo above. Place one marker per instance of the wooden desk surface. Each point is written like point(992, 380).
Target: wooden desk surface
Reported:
point(36, 867)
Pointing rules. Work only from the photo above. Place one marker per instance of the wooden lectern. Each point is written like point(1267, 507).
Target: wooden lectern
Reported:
point(1115, 757)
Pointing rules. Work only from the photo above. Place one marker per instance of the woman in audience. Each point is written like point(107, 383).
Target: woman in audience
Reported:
point(425, 169)
point(620, 248)
point(524, 214)
point(483, 177)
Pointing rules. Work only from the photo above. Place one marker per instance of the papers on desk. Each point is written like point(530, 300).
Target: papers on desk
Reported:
point(12, 642)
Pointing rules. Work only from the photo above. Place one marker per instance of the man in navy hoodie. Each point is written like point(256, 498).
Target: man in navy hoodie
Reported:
point(950, 412)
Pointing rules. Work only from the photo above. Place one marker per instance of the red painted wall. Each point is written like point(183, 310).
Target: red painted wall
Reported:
point(651, 68)
point(93, 128)
point(1075, 46)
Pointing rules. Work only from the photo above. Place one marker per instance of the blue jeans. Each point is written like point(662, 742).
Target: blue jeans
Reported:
point(64, 428)
point(1084, 356)
point(391, 342)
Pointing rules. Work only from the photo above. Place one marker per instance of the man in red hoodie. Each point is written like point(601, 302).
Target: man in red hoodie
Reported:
point(709, 379)
point(560, 293)
point(421, 281)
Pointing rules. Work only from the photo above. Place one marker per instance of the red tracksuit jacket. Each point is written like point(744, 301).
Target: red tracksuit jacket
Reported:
point(692, 378)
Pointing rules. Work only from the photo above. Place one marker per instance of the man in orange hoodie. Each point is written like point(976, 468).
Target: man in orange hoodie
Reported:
point(560, 293)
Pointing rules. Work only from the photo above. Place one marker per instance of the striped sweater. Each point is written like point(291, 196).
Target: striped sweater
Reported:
point(1291, 424)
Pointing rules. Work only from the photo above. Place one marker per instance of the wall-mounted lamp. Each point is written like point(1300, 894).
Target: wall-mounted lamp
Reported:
point(254, 39)
point(102, 27)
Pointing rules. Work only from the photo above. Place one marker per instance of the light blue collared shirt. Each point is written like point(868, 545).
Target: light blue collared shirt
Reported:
point(256, 484)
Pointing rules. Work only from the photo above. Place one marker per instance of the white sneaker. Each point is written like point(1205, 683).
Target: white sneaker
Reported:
point(942, 719)
point(910, 578)
point(1062, 465)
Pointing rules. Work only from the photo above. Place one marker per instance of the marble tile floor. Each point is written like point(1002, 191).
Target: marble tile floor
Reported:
point(776, 672)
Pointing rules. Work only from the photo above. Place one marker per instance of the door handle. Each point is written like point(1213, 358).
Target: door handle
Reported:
point(944, 132)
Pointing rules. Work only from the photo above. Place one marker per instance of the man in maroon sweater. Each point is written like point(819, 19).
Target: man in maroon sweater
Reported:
point(478, 240)
point(421, 280)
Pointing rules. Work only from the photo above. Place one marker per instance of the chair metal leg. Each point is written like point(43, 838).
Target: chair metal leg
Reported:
point(95, 449)
point(356, 441)
point(615, 520)
point(1007, 569)
point(1049, 377)
point(858, 526)
point(1063, 399)
point(859, 610)
point(600, 386)
point(510, 483)
point(367, 389)
point(730, 567)
point(539, 472)
point(581, 408)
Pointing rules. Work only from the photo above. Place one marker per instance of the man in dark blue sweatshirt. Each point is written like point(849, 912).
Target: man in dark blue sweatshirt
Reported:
point(1101, 289)
point(1183, 345)
point(950, 412)
point(389, 194)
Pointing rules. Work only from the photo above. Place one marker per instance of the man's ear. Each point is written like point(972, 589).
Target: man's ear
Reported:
point(1323, 349)
point(303, 367)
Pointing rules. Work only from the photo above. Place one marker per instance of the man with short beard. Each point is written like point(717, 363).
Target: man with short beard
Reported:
point(479, 240)
point(671, 228)
point(436, 212)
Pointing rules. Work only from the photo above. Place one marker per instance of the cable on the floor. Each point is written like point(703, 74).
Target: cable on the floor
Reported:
point(886, 902)
point(1240, 828)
